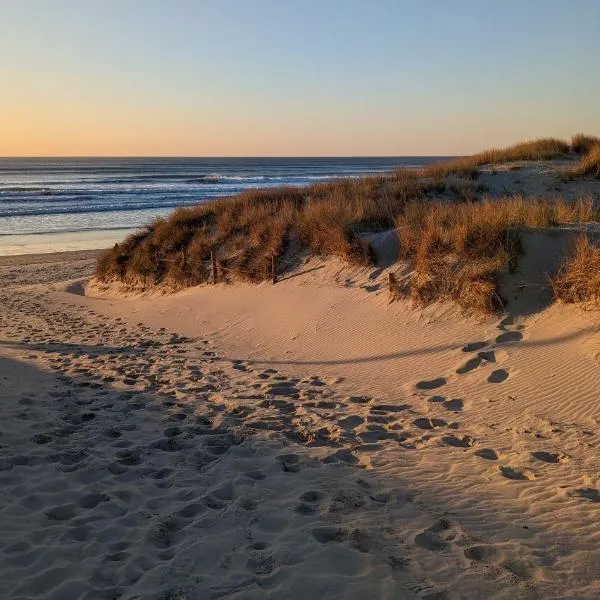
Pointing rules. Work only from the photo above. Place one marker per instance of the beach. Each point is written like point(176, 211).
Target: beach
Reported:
point(304, 439)
point(299, 301)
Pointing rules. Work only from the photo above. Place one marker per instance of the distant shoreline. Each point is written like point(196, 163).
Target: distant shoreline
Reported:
point(36, 244)
point(48, 257)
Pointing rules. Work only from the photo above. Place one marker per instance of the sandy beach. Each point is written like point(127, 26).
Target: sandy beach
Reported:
point(206, 445)
point(299, 300)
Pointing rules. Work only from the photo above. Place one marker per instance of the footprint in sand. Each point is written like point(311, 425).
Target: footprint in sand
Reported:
point(381, 419)
point(163, 532)
point(431, 384)
point(455, 405)
point(498, 376)
point(388, 408)
point(262, 564)
point(488, 356)
point(92, 500)
point(289, 462)
point(481, 553)
point(351, 422)
point(330, 534)
point(436, 538)
point(474, 346)
point(509, 337)
point(588, 493)
point(458, 441)
point(126, 457)
point(487, 453)
point(239, 365)
point(64, 512)
point(437, 399)
point(429, 424)
point(550, 457)
point(309, 502)
point(517, 474)
point(312, 496)
point(360, 540)
point(343, 455)
point(469, 366)
point(168, 444)
point(325, 404)
point(359, 399)
point(282, 388)
point(370, 437)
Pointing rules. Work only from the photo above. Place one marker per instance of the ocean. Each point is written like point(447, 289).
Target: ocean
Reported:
point(55, 204)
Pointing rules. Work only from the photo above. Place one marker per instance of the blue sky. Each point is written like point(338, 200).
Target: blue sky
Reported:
point(260, 77)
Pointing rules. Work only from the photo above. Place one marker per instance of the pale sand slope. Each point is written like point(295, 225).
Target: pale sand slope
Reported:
point(140, 464)
point(537, 178)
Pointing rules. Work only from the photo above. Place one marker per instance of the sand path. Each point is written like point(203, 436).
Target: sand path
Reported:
point(137, 461)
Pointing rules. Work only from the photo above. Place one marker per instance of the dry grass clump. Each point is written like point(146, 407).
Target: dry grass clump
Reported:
point(579, 278)
point(582, 143)
point(457, 251)
point(243, 231)
point(588, 166)
point(246, 230)
point(540, 149)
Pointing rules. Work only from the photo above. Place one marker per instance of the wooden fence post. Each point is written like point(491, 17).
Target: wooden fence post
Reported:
point(392, 286)
point(274, 269)
point(213, 260)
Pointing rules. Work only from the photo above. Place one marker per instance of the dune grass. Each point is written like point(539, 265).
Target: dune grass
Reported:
point(588, 166)
point(578, 280)
point(467, 166)
point(582, 143)
point(456, 242)
point(457, 252)
point(244, 231)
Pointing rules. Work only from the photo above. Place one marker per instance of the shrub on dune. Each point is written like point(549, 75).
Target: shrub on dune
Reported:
point(579, 278)
point(582, 143)
point(588, 166)
point(458, 251)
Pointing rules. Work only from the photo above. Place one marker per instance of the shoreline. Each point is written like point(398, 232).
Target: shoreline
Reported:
point(48, 243)
point(49, 257)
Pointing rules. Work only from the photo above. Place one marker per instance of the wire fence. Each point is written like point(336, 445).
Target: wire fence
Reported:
point(273, 266)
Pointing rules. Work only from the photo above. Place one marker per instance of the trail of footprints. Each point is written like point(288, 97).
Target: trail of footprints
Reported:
point(190, 413)
point(485, 362)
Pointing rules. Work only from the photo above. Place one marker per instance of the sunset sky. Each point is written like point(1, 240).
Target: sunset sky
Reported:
point(278, 77)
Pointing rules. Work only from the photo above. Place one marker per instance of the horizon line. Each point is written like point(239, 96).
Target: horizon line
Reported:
point(71, 156)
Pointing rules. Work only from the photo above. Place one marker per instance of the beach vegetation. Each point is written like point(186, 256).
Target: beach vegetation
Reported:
point(578, 279)
point(588, 166)
point(582, 144)
point(243, 232)
point(457, 252)
point(467, 166)
point(456, 242)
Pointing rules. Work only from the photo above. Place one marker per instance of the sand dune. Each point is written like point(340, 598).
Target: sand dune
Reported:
point(208, 445)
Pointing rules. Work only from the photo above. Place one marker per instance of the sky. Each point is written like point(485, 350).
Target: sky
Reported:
point(294, 78)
